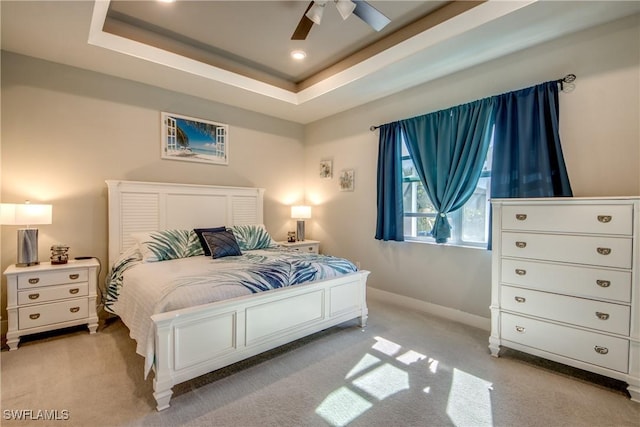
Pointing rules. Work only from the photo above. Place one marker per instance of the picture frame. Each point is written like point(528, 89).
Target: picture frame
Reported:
point(347, 180)
point(191, 139)
point(326, 169)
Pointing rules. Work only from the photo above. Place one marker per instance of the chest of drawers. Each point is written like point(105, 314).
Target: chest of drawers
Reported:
point(46, 297)
point(566, 283)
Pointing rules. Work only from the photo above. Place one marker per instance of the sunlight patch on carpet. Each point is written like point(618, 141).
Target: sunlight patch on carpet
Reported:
point(469, 401)
point(365, 363)
point(383, 381)
point(342, 406)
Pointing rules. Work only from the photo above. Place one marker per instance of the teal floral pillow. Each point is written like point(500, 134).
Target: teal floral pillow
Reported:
point(168, 244)
point(250, 237)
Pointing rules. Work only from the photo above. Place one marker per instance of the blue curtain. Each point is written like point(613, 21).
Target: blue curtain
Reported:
point(527, 156)
point(448, 149)
point(389, 224)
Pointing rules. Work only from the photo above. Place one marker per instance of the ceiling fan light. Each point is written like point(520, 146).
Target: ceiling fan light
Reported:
point(316, 11)
point(345, 7)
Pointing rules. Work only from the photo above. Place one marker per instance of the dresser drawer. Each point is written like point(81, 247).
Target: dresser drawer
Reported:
point(590, 250)
point(46, 314)
point(52, 277)
point(603, 316)
point(52, 293)
point(601, 350)
point(570, 218)
point(614, 285)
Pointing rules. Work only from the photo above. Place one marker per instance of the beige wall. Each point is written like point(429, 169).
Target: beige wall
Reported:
point(66, 131)
point(599, 132)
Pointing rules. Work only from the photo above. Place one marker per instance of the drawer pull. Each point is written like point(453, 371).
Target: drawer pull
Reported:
point(74, 276)
point(520, 329)
point(521, 217)
point(74, 309)
point(520, 272)
point(521, 244)
point(601, 350)
point(34, 316)
point(603, 283)
point(34, 296)
point(601, 315)
point(604, 251)
point(34, 280)
point(604, 218)
point(74, 291)
point(520, 299)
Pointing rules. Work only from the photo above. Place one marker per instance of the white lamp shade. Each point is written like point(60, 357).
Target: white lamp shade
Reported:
point(25, 214)
point(316, 11)
point(345, 7)
point(300, 212)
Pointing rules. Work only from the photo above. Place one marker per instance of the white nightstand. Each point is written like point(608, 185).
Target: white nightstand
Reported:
point(309, 246)
point(46, 297)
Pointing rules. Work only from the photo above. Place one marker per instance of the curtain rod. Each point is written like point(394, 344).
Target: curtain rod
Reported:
point(569, 78)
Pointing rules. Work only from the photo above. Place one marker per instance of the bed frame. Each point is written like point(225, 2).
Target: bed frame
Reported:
point(185, 345)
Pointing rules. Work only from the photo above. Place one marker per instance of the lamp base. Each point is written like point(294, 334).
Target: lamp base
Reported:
point(300, 231)
point(27, 247)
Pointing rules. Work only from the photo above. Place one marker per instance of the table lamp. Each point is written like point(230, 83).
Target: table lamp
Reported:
point(300, 213)
point(26, 214)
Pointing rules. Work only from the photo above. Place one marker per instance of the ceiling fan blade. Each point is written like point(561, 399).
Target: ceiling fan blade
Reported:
point(370, 15)
point(304, 26)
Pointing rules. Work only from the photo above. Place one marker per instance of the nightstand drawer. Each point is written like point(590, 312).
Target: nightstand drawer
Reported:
point(47, 314)
point(53, 293)
point(306, 248)
point(48, 278)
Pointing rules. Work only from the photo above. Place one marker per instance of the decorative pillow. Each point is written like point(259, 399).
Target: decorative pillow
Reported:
point(222, 244)
point(203, 242)
point(168, 244)
point(252, 237)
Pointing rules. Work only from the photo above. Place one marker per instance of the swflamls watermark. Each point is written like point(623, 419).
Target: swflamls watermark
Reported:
point(36, 414)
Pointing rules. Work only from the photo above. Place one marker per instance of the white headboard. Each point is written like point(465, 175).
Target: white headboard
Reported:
point(150, 206)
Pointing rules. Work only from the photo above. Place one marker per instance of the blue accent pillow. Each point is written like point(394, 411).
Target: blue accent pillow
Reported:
point(222, 244)
point(252, 237)
point(203, 242)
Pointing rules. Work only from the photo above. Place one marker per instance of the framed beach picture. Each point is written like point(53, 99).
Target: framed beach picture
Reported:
point(326, 169)
point(346, 180)
point(194, 140)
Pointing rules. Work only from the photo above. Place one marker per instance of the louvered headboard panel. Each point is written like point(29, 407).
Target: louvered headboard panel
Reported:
point(149, 206)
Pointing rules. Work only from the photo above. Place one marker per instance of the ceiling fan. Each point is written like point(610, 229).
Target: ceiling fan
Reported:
point(360, 8)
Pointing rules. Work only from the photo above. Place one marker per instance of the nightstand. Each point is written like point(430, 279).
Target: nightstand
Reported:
point(308, 246)
point(45, 297)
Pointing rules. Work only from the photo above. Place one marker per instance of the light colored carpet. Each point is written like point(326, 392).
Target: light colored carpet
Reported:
point(406, 369)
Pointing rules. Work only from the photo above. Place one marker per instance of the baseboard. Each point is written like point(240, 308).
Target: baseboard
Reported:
point(427, 307)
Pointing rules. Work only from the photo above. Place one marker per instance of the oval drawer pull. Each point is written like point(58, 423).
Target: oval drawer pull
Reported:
point(604, 251)
point(521, 217)
point(74, 291)
point(34, 280)
point(601, 315)
point(601, 350)
point(603, 283)
point(604, 218)
point(74, 276)
point(520, 329)
point(520, 272)
point(520, 299)
point(74, 309)
point(34, 316)
point(521, 244)
point(34, 296)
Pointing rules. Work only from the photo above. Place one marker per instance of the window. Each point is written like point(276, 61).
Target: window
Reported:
point(469, 224)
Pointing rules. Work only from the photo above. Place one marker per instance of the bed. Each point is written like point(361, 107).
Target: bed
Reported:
point(181, 342)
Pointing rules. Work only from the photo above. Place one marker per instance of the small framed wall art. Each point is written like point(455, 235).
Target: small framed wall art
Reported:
point(326, 169)
point(347, 180)
point(194, 140)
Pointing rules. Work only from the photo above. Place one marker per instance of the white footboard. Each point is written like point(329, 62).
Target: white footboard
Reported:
point(197, 340)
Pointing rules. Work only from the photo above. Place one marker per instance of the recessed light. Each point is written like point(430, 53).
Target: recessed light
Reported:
point(298, 55)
